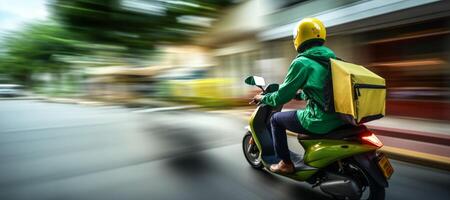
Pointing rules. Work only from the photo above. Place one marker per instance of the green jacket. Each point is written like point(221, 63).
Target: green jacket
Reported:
point(310, 77)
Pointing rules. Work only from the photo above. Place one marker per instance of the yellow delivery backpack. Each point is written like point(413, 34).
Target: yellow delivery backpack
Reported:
point(358, 93)
point(353, 91)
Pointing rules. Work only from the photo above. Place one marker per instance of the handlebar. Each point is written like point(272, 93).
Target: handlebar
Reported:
point(254, 102)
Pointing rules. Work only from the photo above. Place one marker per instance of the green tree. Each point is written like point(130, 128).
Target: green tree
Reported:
point(137, 25)
point(37, 48)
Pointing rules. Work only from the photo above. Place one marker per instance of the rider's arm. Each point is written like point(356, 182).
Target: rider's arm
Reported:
point(295, 79)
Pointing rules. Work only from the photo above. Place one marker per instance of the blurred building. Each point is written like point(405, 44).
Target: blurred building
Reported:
point(185, 74)
point(122, 83)
point(405, 41)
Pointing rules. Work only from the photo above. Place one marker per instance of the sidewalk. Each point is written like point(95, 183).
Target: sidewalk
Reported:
point(414, 124)
point(420, 141)
point(415, 140)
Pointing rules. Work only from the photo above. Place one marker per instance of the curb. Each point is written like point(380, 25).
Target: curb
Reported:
point(428, 160)
point(167, 107)
point(76, 101)
point(21, 98)
point(61, 100)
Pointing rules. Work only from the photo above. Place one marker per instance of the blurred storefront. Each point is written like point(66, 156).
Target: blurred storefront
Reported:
point(185, 74)
point(405, 41)
point(119, 83)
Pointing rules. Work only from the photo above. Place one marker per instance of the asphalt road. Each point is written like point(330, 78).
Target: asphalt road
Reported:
point(64, 151)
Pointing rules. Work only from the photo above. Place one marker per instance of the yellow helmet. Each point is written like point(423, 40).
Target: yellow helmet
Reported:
point(308, 29)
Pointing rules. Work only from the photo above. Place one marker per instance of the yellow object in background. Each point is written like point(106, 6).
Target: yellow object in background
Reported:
point(203, 91)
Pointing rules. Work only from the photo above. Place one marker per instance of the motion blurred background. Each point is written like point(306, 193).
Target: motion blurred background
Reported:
point(145, 55)
point(198, 52)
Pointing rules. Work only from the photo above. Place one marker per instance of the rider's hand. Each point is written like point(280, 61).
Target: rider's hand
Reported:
point(256, 99)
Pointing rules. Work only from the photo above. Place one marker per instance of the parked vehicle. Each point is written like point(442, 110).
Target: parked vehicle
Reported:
point(11, 90)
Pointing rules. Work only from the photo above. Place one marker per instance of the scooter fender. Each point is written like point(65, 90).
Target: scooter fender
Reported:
point(367, 161)
point(322, 152)
point(248, 128)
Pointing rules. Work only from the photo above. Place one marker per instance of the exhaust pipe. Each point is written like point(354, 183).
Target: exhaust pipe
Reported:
point(345, 188)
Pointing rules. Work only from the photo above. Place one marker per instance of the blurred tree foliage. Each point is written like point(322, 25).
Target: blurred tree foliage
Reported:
point(102, 31)
point(36, 48)
point(137, 25)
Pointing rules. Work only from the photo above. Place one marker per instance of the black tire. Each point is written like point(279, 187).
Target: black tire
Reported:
point(251, 152)
point(359, 174)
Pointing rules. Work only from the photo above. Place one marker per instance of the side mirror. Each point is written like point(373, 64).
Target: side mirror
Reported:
point(255, 80)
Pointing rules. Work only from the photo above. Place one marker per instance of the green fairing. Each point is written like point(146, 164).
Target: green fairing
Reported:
point(302, 175)
point(320, 153)
point(255, 138)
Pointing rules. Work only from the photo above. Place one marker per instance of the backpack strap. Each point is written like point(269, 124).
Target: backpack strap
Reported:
point(337, 58)
point(328, 105)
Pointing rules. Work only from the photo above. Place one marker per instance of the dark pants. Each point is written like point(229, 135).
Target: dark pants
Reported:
point(280, 122)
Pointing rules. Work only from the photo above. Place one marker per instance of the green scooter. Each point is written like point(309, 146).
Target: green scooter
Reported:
point(344, 163)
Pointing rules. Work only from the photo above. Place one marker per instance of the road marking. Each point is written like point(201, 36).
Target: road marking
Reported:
point(150, 110)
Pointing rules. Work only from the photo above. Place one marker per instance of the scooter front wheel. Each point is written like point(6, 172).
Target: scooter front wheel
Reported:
point(251, 151)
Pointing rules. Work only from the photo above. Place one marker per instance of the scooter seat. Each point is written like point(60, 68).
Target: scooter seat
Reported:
point(342, 132)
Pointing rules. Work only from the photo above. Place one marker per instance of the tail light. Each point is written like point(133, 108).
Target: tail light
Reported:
point(370, 138)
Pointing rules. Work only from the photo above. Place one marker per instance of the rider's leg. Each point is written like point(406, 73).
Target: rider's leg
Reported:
point(280, 122)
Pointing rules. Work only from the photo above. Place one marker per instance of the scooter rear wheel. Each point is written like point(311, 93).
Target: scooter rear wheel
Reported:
point(371, 190)
point(251, 152)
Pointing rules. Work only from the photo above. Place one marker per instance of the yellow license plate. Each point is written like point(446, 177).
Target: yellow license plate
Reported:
point(385, 166)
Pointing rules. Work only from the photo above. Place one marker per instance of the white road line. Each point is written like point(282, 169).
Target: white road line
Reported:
point(166, 109)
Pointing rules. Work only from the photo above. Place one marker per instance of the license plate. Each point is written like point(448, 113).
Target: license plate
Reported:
point(385, 166)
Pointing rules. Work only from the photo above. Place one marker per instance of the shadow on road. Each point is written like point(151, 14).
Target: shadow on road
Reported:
point(206, 176)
